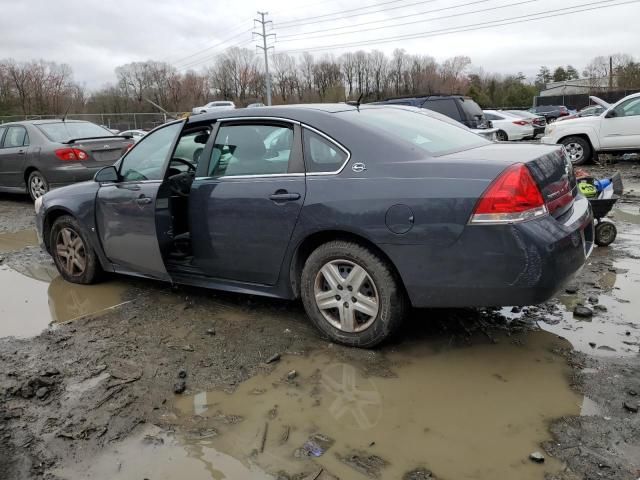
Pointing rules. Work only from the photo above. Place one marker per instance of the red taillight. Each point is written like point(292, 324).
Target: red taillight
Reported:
point(512, 197)
point(71, 154)
point(522, 123)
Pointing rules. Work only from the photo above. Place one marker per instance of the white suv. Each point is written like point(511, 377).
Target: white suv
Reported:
point(615, 130)
point(214, 107)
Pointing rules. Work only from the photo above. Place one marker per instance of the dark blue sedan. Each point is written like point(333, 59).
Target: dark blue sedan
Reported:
point(360, 211)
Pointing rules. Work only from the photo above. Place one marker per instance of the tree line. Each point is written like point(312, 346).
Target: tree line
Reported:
point(40, 87)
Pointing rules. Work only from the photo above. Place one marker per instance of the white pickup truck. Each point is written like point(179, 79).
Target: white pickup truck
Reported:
point(616, 130)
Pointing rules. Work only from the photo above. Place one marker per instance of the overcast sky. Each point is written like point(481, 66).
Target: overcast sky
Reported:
point(96, 36)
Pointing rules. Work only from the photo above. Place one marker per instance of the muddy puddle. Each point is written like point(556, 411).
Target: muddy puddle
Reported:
point(462, 412)
point(156, 455)
point(34, 298)
point(10, 242)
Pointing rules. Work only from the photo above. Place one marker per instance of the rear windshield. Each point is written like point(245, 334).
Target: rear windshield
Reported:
point(471, 107)
point(418, 128)
point(65, 131)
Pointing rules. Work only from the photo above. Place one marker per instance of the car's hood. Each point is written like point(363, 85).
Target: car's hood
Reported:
point(72, 193)
point(569, 122)
point(599, 101)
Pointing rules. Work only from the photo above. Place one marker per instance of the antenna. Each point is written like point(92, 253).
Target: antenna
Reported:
point(64, 117)
point(170, 115)
point(356, 103)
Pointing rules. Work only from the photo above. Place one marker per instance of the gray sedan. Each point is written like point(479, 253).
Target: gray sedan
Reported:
point(38, 155)
point(361, 212)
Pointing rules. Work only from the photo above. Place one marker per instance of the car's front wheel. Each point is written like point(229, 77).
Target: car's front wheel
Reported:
point(502, 136)
point(76, 261)
point(578, 149)
point(37, 185)
point(351, 295)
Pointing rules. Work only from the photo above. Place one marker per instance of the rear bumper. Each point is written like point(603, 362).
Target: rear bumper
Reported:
point(497, 265)
point(70, 174)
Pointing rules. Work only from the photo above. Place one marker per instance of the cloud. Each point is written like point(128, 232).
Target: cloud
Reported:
point(95, 37)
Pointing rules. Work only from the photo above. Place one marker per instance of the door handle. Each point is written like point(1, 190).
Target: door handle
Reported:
point(143, 200)
point(284, 196)
point(21, 152)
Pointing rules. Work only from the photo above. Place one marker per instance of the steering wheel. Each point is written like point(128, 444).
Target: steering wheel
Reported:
point(190, 166)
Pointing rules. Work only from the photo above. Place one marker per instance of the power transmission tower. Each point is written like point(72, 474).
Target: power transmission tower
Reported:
point(265, 49)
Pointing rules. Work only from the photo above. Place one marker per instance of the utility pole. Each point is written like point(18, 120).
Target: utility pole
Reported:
point(265, 49)
point(610, 73)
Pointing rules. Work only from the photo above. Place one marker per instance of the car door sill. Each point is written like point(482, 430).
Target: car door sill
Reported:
point(201, 280)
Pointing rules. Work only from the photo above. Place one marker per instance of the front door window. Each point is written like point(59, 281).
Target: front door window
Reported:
point(146, 161)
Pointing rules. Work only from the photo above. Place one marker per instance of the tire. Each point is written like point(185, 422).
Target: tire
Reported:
point(379, 294)
point(606, 233)
point(79, 262)
point(578, 149)
point(502, 136)
point(37, 185)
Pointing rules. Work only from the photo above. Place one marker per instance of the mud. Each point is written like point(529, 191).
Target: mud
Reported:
point(461, 394)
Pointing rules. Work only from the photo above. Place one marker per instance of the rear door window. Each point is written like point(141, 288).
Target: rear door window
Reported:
point(251, 149)
point(16, 137)
point(446, 107)
point(322, 155)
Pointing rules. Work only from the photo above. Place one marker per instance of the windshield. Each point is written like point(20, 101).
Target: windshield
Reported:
point(418, 128)
point(64, 131)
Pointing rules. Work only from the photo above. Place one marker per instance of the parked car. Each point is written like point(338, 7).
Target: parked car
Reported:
point(538, 121)
point(615, 130)
point(510, 127)
point(214, 107)
point(458, 107)
point(550, 112)
point(255, 105)
point(589, 111)
point(115, 131)
point(134, 134)
point(38, 155)
point(360, 211)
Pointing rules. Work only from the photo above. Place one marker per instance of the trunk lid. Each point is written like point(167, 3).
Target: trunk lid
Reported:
point(102, 151)
point(549, 166)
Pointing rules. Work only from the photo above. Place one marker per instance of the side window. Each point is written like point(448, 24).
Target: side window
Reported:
point(491, 116)
point(16, 137)
point(251, 149)
point(2, 129)
point(446, 107)
point(321, 155)
point(146, 160)
point(630, 108)
point(191, 145)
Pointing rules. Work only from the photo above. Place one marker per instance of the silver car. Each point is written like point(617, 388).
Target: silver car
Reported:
point(38, 155)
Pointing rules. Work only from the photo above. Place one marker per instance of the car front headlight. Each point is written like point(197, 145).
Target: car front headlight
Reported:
point(38, 204)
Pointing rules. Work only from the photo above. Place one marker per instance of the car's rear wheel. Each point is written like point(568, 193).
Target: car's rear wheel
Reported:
point(502, 136)
point(351, 295)
point(578, 149)
point(76, 261)
point(37, 185)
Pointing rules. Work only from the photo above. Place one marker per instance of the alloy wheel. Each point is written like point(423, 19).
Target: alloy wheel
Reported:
point(346, 295)
point(71, 252)
point(37, 186)
point(574, 151)
point(502, 136)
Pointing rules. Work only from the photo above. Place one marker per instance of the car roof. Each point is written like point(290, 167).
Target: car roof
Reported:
point(43, 122)
point(293, 112)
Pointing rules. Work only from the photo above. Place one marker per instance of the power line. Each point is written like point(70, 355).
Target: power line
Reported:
point(214, 55)
point(213, 47)
point(471, 27)
point(444, 17)
point(318, 19)
point(412, 15)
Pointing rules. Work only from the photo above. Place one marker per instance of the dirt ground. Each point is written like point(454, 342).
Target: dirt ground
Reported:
point(89, 375)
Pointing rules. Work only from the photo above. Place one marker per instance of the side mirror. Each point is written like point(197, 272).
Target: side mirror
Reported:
point(107, 175)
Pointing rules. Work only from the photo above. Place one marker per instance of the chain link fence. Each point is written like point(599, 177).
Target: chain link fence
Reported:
point(116, 121)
